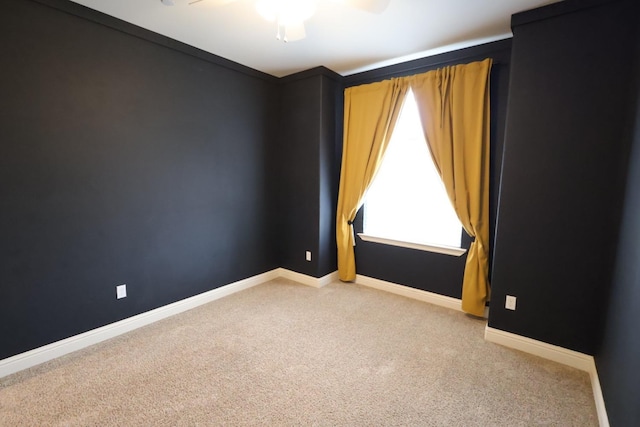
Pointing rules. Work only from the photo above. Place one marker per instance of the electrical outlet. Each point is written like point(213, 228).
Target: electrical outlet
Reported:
point(510, 303)
point(121, 291)
point(308, 256)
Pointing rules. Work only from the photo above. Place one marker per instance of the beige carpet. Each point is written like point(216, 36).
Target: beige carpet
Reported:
point(286, 354)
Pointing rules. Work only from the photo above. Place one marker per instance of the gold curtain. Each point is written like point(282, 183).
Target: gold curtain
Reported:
point(370, 113)
point(454, 110)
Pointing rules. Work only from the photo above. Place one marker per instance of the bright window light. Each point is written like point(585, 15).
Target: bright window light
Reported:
point(407, 200)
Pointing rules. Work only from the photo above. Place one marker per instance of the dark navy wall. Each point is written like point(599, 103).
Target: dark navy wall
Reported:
point(122, 160)
point(619, 351)
point(330, 156)
point(309, 138)
point(300, 115)
point(429, 271)
point(564, 170)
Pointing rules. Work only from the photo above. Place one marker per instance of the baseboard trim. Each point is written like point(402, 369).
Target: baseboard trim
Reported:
point(308, 280)
point(405, 291)
point(575, 359)
point(603, 418)
point(538, 348)
point(51, 351)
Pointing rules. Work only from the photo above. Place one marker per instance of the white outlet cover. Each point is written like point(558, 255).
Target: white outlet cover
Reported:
point(510, 302)
point(121, 291)
point(308, 256)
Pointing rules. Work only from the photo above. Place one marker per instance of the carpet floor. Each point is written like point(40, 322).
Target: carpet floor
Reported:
point(285, 354)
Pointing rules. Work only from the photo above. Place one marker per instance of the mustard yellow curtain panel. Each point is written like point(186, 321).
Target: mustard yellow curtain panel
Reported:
point(370, 113)
point(454, 110)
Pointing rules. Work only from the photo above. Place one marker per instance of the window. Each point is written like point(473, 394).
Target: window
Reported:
point(407, 202)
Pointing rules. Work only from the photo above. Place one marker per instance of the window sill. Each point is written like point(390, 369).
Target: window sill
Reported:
point(447, 250)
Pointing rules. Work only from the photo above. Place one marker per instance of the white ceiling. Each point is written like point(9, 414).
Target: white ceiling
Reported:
point(339, 37)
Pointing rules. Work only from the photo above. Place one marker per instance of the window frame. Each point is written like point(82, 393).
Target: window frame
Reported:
point(440, 249)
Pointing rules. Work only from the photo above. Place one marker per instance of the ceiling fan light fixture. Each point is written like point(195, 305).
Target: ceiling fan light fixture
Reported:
point(286, 12)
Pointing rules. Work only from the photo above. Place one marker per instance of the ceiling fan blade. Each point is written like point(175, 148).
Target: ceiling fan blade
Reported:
point(373, 6)
point(294, 32)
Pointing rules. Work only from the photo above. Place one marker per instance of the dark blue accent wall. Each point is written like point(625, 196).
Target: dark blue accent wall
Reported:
point(564, 170)
point(619, 350)
point(122, 160)
point(308, 173)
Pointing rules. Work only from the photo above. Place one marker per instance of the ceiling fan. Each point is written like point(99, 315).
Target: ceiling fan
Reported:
point(290, 15)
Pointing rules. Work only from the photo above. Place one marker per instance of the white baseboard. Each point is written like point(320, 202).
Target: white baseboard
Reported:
point(575, 359)
point(538, 348)
point(603, 418)
point(405, 291)
point(51, 351)
point(308, 280)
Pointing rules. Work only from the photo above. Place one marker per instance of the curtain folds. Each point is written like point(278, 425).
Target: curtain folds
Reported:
point(454, 111)
point(370, 113)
